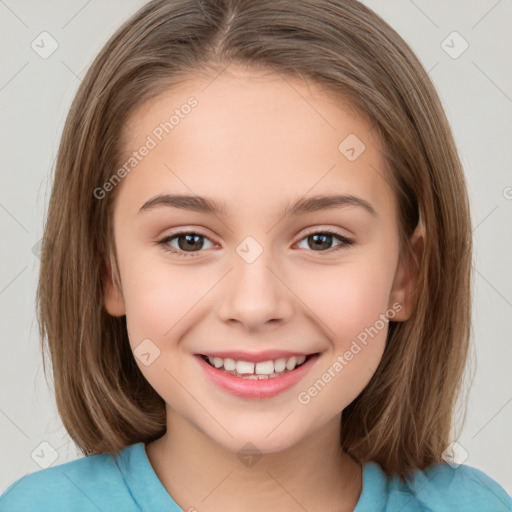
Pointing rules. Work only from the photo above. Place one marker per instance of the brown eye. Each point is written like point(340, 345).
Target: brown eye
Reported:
point(320, 241)
point(187, 242)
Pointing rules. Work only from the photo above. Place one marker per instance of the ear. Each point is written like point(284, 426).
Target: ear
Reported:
point(113, 300)
point(406, 278)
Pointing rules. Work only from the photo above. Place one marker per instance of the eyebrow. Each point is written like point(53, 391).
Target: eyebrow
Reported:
point(300, 207)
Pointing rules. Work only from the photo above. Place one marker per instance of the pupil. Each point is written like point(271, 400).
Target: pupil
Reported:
point(189, 244)
point(326, 245)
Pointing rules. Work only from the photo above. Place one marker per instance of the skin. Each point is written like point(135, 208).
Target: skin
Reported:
point(257, 142)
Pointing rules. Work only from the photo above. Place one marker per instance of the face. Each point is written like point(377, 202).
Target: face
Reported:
point(258, 275)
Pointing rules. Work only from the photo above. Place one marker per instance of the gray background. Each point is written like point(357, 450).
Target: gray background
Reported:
point(35, 94)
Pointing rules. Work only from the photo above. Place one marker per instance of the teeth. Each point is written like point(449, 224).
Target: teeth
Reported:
point(265, 368)
point(229, 364)
point(280, 365)
point(244, 367)
point(291, 363)
point(261, 370)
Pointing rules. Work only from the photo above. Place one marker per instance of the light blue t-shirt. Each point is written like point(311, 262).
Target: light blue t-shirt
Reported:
point(127, 483)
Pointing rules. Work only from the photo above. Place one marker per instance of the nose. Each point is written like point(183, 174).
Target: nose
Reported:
point(254, 295)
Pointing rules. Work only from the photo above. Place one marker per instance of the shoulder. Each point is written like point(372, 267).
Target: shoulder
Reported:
point(90, 483)
point(443, 487)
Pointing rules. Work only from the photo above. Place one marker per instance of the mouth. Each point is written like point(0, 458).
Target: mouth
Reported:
point(260, 370)
point(262, 378)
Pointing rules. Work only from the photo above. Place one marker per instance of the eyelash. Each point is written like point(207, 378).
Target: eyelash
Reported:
point(345, 242)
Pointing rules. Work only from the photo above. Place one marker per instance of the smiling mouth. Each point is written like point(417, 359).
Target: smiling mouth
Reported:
point(260, 371)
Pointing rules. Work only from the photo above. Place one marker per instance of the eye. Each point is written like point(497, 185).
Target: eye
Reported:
point(188, 242)
point(321, 239)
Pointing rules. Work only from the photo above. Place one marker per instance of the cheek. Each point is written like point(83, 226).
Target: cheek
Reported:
point(158, 297)
point(348, 298)
point(162, 298)
point(350, 304)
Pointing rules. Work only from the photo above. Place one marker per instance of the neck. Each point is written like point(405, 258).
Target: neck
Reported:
point(314, 474)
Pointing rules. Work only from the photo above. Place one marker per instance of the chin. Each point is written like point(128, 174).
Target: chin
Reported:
point(259, 437)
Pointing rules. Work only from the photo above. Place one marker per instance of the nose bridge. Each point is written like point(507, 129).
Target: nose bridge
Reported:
point(254, 294)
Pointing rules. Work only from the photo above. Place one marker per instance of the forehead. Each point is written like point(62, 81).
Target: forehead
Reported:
point(253, 139)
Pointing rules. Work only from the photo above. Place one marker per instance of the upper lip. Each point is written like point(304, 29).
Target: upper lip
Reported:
point(257, 357)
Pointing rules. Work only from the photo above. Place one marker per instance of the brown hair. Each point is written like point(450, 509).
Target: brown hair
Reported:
point(402, 419)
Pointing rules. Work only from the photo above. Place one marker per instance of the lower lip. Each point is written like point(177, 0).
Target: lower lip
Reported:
point(256, 388)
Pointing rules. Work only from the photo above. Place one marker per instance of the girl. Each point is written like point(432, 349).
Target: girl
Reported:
point(255, 274)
